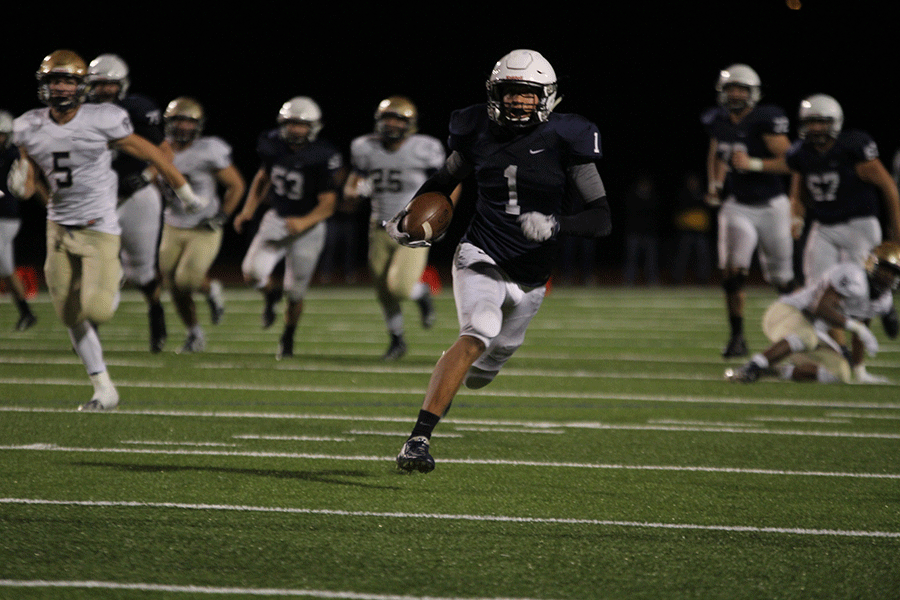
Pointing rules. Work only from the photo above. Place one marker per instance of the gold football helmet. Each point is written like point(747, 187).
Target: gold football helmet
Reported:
point(883, 267)
point(66, 64)
point(398, 107)
point(180, 110)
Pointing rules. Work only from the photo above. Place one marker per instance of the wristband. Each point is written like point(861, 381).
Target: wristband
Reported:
point(755, 164)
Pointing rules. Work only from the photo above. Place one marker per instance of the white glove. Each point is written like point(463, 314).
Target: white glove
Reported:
point(192, 202)
point(18, 177)
point(364, 188)
point(392, 228)
point(538, 227)
point(862, 376)
point(865, 336)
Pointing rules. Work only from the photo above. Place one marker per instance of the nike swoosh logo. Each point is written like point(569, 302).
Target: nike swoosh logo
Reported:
point(538, 151)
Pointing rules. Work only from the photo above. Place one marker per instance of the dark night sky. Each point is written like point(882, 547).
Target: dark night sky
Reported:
point(641, 72)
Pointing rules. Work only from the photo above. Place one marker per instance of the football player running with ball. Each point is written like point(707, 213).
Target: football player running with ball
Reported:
point(537, 180)
point(69, 146)
point(300, 177)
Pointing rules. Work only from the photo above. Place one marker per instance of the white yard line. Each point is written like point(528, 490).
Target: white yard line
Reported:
point(218, 591)
point(454, 517)
point(457, 461)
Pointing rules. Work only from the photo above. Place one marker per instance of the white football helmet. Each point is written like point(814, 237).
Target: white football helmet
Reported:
point(820, 107)
point(305, 110)
point(108, 68)
point(742, 75)
point(6, 128)
point(522, 67)
point(62, 63)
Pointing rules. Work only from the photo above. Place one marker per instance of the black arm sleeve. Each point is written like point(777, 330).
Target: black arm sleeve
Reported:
point(446, 178)
point(593, 221)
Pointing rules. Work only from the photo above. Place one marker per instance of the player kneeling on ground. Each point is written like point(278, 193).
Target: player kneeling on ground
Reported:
point(847, 296)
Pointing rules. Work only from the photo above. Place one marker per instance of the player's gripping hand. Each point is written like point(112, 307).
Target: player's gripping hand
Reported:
point(392, 227)
point(538, 227)
point(865, 336)
point(192, 202)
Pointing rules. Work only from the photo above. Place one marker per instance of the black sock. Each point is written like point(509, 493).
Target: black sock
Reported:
point(23, 307)
point(737, 325)
point(425, 424)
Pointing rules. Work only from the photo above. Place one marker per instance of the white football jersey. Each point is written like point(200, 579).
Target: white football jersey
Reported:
point(76, 160)
point(851, 282)
point(395, 175)
point(199, 164)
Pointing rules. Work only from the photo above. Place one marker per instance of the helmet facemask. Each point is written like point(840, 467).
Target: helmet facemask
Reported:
point(55, 98)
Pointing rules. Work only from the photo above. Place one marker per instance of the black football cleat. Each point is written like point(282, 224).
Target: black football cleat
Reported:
point(737, 346)
point(414, 456)
point(396, 350)
point(26, 321)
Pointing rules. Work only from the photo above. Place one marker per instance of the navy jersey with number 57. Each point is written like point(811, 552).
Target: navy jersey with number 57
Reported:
point(836, 191)
point(516, 174)
point(298, 175)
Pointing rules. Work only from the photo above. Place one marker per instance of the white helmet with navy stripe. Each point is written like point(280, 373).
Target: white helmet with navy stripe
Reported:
point(742, 75)
point(525, 68)
point(304, 110)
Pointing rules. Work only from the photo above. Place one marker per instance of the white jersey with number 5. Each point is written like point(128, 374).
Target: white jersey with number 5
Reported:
point(395, 175)
point(76, 160)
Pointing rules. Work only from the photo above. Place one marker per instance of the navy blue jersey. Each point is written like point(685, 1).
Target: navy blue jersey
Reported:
point(836, 191)
point(147, 121)
point(299, 175)
point(9, 204)
point(519, 173)
point(748, 187)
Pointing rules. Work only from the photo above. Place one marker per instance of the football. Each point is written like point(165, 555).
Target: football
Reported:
point(427, 217)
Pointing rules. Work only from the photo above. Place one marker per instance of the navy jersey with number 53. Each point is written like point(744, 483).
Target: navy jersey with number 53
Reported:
point(298, 176)
point(516, 174)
